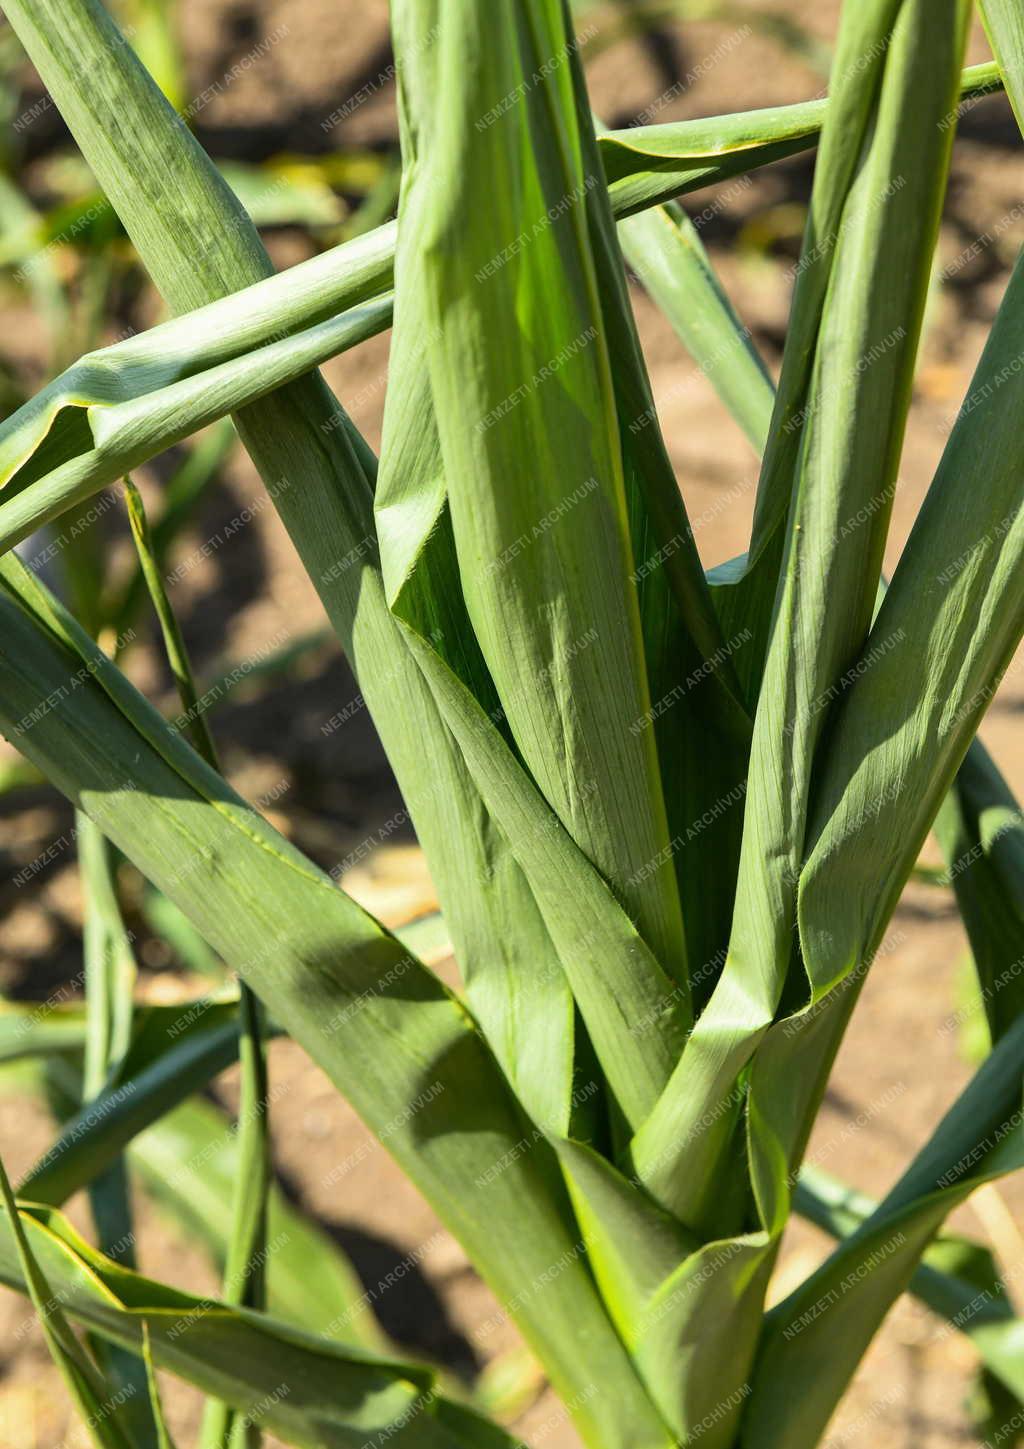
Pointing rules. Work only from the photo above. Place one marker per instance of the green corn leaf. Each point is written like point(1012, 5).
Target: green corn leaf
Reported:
point(955, 605)
point(643, 1293)
point(29, 1030)
point(61, 1027)
point(299, 429)
point(109, 963)
point(744, 589)
point(110, 975)
point(309, 293)
point(957, 1279)
point(781, 1106)
point(154, 1077)
point(646, 165)
point(515, 982)
point(843, 188)
point(164, 1440)
point(187, 1159)
point(691, 678)
point(181, 496)
point(981, 831)
point(175, 651)
point(125, 434)
point(672, 1299)
point(622, 983)
point(978, 826)
point(188, 1162)
point(814, 1340)
point(633, 1245)
point(403, 1051)
point(244, 1277)
point(699, 1333)
point(294, 301)
point(844, 472)
point(514, 471)
point(417, 547)
point(309, 1391)
point(621, 989)
point(1004, 26)
point(244, 1267)
point(93, 1398)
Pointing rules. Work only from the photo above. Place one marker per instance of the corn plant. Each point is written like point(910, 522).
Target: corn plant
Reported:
point(668, 812)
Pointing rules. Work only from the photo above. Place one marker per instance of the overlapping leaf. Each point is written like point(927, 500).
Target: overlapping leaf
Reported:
point(646, 165)
point(403, 1051)
point(462, 670)
point(956, 1278)
point(842, 493)
point(621, 983)
point(816, 1337)
point(517, 350)
point(310, 1391)
point(981, 831)
point(903, 727)
point(176, 210)
point(110, 437)
point(95, 1399)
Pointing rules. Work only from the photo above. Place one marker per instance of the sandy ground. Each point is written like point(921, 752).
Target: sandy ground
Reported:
point(898, 1069)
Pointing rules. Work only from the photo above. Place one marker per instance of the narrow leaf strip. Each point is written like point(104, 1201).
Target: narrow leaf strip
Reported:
point(691, 673)
point(288, 303)
point(40, 1029)
point(1004, 26)
point(957, 1279)
point(980, 828)
point(955, 603)
point(110, 439)
point(143, 1089)
point(110, 974)
point(665, 250)
point(164, 1439)
point(92, 1398)
point(646, 165)
point(244, 1274)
